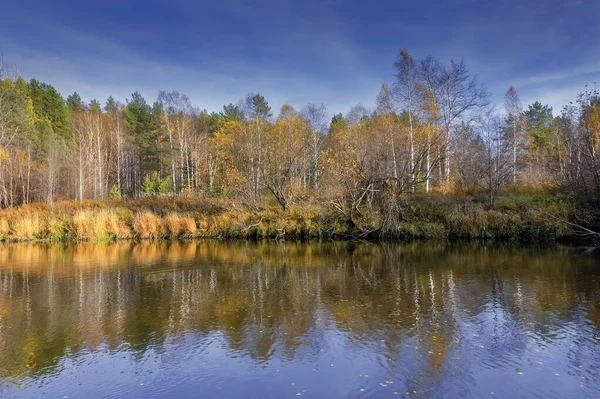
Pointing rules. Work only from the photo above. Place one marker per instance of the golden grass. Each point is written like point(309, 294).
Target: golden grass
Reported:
point(4, 228)
point(435, 215)
point(28, 227)
point(147, 225)
point(180, 225)
point(98, 224)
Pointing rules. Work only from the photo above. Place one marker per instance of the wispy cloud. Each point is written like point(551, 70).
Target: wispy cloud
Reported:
point(555, 75)
point(336, 52)
point(97, 67)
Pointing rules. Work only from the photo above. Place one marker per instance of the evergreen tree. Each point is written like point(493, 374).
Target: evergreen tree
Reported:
point(140, 122)
point(539, 126)
point(111, 106)
point(49, 105)
point(232, 113)
point(74, 102)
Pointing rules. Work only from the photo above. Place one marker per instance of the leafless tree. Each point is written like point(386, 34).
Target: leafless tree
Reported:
point(317, 117)
point(460, 98)
point(514, 111)
point(406, 90)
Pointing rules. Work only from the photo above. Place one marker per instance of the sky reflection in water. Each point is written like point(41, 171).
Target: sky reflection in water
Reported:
point(276, 320)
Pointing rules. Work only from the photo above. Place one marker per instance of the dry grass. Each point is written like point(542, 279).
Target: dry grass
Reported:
point(98, 225)
point(147, 225)
point(180, 225)
point(28, 227)
point(4, 228)
point(424, 216)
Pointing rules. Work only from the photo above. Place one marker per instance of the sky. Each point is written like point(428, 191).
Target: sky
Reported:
point(336, 52)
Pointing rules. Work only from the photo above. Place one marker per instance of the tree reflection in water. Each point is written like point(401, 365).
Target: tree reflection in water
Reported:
point(246, 318)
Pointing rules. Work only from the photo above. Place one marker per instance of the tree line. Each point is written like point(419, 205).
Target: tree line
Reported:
point(433, 128)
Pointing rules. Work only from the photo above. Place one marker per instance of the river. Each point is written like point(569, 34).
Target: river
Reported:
point(316, 320)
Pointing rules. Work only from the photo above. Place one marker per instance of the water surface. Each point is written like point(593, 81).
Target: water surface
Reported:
point(276, 320)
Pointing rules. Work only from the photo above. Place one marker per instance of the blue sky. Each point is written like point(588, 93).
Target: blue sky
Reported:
point(332, 51)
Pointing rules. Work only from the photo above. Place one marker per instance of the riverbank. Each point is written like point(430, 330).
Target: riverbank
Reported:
point(533, 215)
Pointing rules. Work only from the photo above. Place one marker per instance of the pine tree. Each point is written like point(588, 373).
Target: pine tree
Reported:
point(141, 125)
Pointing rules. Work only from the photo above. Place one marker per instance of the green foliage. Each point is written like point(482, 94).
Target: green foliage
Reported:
point(155, 185)
point(232, 113)
point(74, 102)
point(260, 107)
point(338, 120)
point(95, 104)
point(141, 124)
point(539, 125)
point(15, 108)
point(115, 194)
point(111, 106)
point(49, 106)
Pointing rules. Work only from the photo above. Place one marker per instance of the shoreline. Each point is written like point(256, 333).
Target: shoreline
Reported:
point(424, 217)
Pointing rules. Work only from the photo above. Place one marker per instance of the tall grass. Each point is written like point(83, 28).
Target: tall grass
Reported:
point(28, 227)
point(435, 216)
point(100, 225)
point(180, 226)
point(147, 225)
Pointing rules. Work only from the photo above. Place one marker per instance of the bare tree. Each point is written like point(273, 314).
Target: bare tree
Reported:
point(357, 113)
point(460, 97)
point(176, 108)
point(429, 75)
point(406, 90)
point(497, 162)
point(317, 117)
point(514, 110)
point(385, 108)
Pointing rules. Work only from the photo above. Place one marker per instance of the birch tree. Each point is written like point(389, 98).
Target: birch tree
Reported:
point(460, 98)
point(514, 111)
point(316, 116)
point(406, 89)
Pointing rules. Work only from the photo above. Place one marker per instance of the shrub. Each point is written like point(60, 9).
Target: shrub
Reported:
point(115, 194)
point(155, 185)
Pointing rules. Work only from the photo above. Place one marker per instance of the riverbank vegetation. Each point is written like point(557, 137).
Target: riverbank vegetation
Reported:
point(433, 159)
point(531, 215)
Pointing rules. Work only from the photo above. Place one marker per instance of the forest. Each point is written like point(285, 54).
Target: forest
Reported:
point(434, 158)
